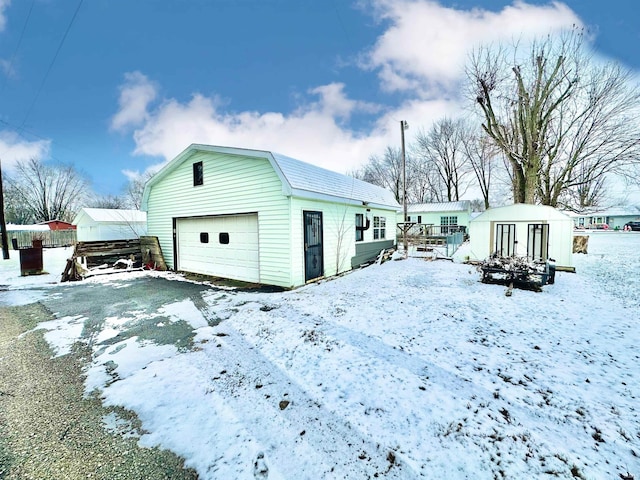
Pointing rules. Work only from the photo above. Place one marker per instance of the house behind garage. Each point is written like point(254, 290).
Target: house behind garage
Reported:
point(445, 217)
point(261, 217)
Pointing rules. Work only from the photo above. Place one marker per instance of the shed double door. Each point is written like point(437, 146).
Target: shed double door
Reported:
point(537, 240)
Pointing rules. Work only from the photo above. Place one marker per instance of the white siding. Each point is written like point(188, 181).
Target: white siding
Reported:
point(95, 231)
point(232, 184)
point(339, 235)
point(433, 218)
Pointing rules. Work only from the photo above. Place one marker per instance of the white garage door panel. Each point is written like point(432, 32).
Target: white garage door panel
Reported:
point(239, 259)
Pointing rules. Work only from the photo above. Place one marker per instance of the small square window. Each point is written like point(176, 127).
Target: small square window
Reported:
point(223, 238)
point(198, 174)
point(204, 237)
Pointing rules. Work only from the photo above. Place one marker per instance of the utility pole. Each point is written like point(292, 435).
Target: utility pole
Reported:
point(404, 126)
point(3, 224)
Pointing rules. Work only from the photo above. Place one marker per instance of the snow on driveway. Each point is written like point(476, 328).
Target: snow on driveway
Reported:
point(410, 369)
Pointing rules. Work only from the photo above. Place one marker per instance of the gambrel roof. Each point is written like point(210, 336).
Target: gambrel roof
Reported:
point(299, 179)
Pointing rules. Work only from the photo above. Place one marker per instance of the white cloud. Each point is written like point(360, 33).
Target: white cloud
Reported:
point(427, 44)
point(13, 149)
point(135, 95)
point(312, 133)
point(423, 46)
point(7, 68)
point(4, 4)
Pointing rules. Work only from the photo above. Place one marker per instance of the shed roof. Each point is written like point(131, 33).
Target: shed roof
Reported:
point(299, 178)
point(521, 211)
point(111, 215)
point(461, 206)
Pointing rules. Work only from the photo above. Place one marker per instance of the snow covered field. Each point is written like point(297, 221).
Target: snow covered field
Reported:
point(410, 369)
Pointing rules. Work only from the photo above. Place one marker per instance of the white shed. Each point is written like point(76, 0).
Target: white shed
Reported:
point(261, 217)
point(98, 224)
point(538, 232)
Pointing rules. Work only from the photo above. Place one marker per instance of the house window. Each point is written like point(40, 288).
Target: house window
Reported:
point(359, 225)
point(204, 237)
point(223, 238)
point(448, 224)
point(379, 230)
point(419, 218)
point(198, 174)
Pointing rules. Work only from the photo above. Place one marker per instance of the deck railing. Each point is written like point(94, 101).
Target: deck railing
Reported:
point(448, 236)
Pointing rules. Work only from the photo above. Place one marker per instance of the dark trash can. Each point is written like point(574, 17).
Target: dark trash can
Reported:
point(31, 260)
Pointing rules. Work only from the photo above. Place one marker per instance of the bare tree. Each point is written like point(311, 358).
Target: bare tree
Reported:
point(481, 153)
point(109, 201)
point(443, 148)
point(423, 179)
point(385, 171)
point(135, 190)
point(560, 120)
point(15, 210)
point(46, 192)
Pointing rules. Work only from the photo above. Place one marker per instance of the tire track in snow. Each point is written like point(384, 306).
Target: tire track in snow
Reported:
point(297, 435)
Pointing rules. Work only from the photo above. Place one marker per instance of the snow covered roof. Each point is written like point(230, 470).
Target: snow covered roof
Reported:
point(111, 215)
point(304, 177)
point(461, 206)
point(521, 211)
point(27, 228)
point(299, 178)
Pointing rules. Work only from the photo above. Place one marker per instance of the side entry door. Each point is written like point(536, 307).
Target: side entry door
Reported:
point(313, 258)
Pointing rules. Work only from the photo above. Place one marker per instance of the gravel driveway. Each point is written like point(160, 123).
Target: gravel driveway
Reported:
point(48, 429)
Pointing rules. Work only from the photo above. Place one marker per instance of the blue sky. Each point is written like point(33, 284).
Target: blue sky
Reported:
point(325, 81)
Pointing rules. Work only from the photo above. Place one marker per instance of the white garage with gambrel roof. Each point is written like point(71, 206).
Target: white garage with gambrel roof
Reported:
point(261, 217)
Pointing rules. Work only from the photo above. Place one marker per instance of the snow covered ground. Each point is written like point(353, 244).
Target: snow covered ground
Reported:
point(410, 369)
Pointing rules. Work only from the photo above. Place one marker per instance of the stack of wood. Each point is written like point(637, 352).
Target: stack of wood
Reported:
point(385, 255)
point(515, 271)
point(90, 258)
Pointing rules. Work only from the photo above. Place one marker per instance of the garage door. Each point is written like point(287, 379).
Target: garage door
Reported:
point(224, 246)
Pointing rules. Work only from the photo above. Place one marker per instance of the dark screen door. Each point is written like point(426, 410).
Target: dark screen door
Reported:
point(313, 264)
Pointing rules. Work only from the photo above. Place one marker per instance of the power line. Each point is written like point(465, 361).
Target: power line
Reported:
point(53, 61)
point(13, 56)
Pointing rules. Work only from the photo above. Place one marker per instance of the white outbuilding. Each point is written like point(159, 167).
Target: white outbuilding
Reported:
point(538, 232)
point(100, 224)
point(261, 217)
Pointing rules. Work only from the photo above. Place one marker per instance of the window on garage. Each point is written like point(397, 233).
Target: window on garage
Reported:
point(198, 174)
